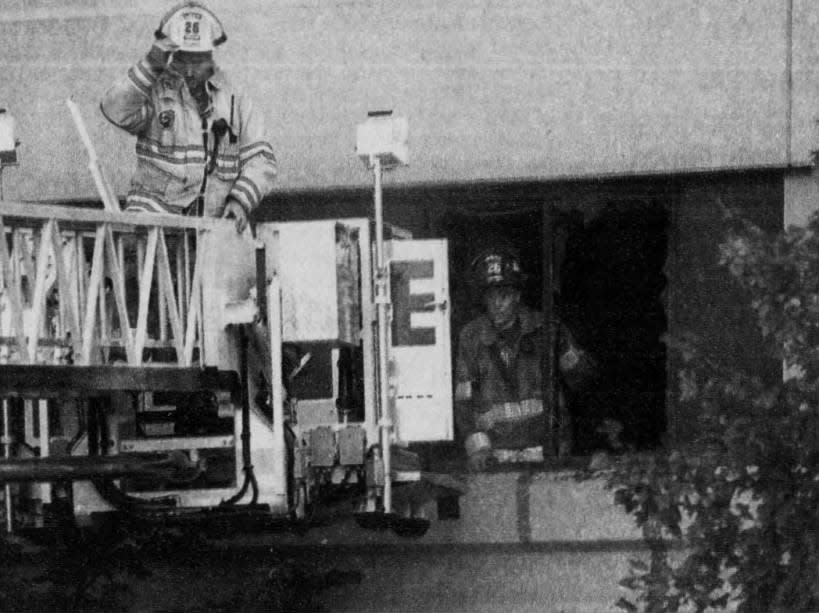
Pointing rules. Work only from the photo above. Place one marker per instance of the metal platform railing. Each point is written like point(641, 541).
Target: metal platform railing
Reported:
point(84, 286)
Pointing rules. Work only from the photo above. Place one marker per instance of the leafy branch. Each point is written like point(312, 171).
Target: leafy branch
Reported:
point(739, 505)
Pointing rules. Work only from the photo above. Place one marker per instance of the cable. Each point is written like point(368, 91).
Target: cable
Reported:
point(106, 488)
point(247, 463)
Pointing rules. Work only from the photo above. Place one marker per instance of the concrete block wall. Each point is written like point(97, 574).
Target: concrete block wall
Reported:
point(525, 541)
point(509, 508)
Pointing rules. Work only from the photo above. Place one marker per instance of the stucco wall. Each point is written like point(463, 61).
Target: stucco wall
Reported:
point(801, 197)
point(493, 90)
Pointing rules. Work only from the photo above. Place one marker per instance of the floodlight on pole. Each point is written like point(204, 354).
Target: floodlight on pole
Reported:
point(8, 157)
point(8, 144)
point(381, 143)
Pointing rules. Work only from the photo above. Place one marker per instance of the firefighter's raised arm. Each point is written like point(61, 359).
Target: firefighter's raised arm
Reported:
point(127, 104)
point(201, 147)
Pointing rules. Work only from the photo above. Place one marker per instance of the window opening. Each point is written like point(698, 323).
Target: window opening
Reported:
point(609, 283)
point(611, 296)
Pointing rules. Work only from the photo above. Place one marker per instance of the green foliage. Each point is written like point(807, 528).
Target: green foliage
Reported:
point(732, 517)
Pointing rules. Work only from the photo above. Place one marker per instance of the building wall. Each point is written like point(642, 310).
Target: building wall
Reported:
point(493, 91)
point(801, 196)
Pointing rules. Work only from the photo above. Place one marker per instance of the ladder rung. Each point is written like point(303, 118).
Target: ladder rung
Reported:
point(42, 342)
point(145, 445)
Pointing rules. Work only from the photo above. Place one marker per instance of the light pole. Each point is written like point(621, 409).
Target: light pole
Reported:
point(8, 144)
point(381, 143)
point(8, 157)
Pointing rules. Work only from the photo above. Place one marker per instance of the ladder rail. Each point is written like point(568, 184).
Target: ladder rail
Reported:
point(97, 281)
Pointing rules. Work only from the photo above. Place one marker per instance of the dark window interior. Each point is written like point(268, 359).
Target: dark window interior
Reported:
point(612, 283)
point(608, 290)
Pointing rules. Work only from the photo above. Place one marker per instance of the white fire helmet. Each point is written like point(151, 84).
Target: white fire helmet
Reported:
point(191, 26)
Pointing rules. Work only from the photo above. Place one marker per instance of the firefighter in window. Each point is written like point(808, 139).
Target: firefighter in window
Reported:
point(499, 402)
point(201, 148)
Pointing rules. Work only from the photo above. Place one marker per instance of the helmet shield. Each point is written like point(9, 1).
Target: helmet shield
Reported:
point(496, 267)
point(192, 27)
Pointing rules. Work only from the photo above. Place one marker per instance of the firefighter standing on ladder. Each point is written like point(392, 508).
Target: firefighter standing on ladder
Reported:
point(200, 147)
point(499, 403)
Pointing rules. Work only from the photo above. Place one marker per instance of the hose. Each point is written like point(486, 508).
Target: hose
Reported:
point(112, 494)
point(106, 488)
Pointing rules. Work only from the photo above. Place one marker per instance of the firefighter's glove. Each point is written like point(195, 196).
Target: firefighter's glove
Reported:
point(578, 367)
point(478, 452)
point(234, 210)
point(160, 54)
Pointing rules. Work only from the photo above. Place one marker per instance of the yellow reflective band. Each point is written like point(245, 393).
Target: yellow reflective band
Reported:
point(510, 411)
